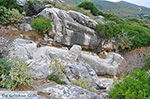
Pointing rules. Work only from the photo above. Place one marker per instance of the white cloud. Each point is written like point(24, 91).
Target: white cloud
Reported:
point(114, 0)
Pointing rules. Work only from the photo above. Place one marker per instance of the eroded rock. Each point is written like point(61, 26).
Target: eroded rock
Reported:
point(71, 27)
point(67, 92)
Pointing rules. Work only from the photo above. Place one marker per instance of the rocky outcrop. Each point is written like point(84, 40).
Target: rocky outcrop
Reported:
point(75, 64)
point(67, 92)
point(109, 65)
point(23, 49)
point(28, 51)
point(71, 27)
point(34, 9)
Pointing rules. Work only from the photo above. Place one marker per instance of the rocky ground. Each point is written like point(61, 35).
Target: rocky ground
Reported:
point(71, 33)
point(77, 64)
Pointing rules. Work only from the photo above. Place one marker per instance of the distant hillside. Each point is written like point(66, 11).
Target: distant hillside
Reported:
point(122, 9)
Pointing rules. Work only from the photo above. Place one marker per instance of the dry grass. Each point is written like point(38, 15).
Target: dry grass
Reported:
point(134, 59)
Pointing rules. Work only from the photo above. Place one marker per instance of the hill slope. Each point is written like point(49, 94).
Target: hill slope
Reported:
point(122, 9)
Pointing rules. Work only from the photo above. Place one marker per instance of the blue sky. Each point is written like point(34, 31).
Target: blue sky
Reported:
point(145, 3)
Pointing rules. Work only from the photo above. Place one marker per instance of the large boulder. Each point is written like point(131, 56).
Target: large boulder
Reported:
point(109, 65)
point(71, 27)
point(34, 9)
point(24, 49)
point(66, 92)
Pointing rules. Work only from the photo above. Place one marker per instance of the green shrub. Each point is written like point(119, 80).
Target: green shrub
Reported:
point(135, 36)
point(9, 16)
point(122, 41)
point(105, 31)
point(5, 67)
point(4, 13)
point(113, 17)
point(84, 83)
point(90, 6)
point(18, 76)
point(135, 86)
point(15, 16)
point(10, 4)
point(42, 25)
point(56, 79)
point(139, 36)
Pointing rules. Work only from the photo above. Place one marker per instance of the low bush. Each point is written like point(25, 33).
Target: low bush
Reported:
point(8, 16)
point(135, 86)
point(135, 36)
point(4, 13)
point(10, 4)
point(113, 17)
point(5, 67)
point(15, 16)
point(18, 76)
point(56, 79)
point(41, 25)
point(90, 6)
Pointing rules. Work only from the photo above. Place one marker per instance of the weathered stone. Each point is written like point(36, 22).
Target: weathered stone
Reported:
point(74, 52)
point(34, 9)
point(26, 19)
point(26, 27)
point(21, 2)
point(109, 65)
point(23, 49)
point(70, 27)
point(67, 92)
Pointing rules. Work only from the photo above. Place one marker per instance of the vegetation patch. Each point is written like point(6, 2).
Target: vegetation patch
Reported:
point(135, 86)
point(41, 25)
point(56, 79)
point(8, 16)
point(17, 76)
point(126, 36)
point(90, 6)
point(84, 83)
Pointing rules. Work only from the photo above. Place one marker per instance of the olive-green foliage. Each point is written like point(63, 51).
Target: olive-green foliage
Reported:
point(5, 67)
point(105, 31)
point(84, 83)
point(42, 25)
point(10, 4)
point(122, 41)
point(135, 86)
point(90, 6)
point(113, 17)
point(15, 16)
point(138, 36)
point(18, 76)
point(4, 13)
point(8, 16)
point(56, 79)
